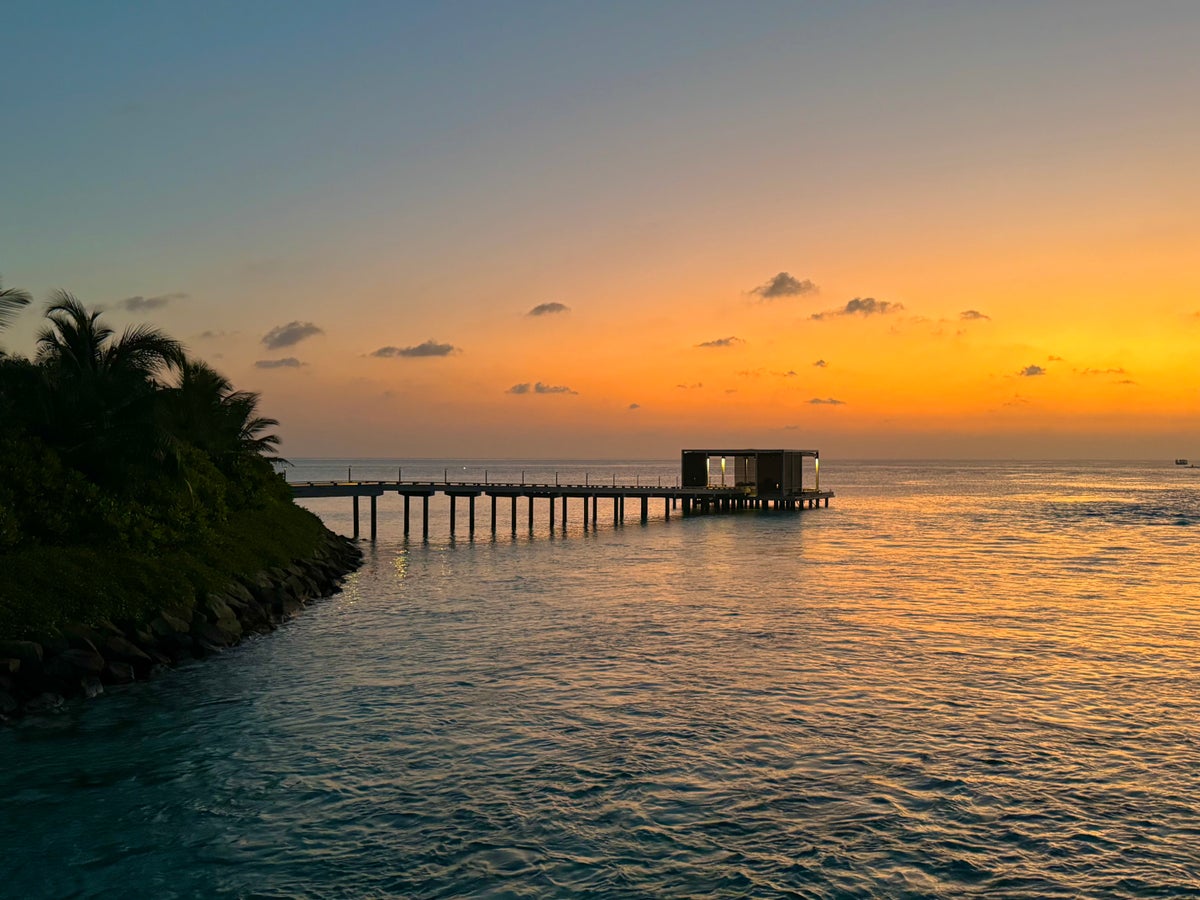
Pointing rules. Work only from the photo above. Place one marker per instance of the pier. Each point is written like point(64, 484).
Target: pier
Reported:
point(712, 481)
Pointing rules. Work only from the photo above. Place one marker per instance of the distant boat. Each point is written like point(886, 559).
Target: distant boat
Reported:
point(1181, 462)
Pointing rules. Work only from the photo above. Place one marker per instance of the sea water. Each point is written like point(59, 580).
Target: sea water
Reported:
point(959, 679)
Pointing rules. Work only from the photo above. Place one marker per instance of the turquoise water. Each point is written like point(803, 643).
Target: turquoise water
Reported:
point(958, 680)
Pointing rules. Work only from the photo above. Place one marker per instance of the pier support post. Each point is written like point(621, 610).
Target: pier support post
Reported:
point(514, 514)
point(373, 498)
point(531, 513)
point(453, 517)
point(355, 503)
point(595, 510)
point(493, 513)
point(616, 507)
point(564, 512)
point(585, 512)
point(406, 499)
point(667, 509)
point(552, 515)
point(425, 517)
point(645, 509)
point(471, 521)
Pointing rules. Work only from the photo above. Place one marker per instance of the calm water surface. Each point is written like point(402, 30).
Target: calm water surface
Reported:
point(958, 680)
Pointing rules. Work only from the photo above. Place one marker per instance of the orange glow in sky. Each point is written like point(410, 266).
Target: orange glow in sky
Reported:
point(884, 232)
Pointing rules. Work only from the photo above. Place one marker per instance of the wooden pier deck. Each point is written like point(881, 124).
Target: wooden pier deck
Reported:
point(693, 500)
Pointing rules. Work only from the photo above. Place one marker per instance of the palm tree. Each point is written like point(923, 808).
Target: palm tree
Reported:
point(204, 410)
point(102, 403)
point(11, 302)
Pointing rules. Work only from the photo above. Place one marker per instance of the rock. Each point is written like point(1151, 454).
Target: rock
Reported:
point(214, 637)
point(115, 647)
point(10, 666)
point(45, 702)
point(8, 704)
point(229, 625)
point(84, 662)
point(92, 687)
point(215, 607)
point(26, 651)
point(116, 672)
point(53, 644)
point(81, 637)
point(166, 625)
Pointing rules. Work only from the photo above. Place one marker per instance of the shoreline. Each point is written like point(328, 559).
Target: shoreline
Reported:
point(77, 660)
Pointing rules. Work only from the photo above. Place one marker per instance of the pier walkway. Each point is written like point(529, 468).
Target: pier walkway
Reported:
point(693, 500)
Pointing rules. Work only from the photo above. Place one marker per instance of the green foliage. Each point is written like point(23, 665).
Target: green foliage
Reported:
point(130, 476)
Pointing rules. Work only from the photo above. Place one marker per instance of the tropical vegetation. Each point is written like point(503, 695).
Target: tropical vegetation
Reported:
point(128, 469)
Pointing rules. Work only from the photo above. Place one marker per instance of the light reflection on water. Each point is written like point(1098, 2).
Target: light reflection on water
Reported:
point(959, 679)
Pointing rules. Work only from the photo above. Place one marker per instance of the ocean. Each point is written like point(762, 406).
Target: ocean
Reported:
point(960, 679)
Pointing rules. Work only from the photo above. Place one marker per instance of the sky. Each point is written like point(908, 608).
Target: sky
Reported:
point(567, 229)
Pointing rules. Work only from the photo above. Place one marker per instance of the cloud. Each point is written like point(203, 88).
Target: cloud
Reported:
point(721, 342)
point(144, 304)
point(828, 401)
point(288, 362)
point(1102, 372)
point(635, 406)
point(790, 373)
point(547, 309)
point(539, 388)
point(861, 306)
point(1054, 359)
point(820, 364)
point(426, 348)
point(1032, 371)
point(784, 285)
point(289, 334)
point(690, 387)
point(972, 314)
point(1126, 381)
point(211, 335)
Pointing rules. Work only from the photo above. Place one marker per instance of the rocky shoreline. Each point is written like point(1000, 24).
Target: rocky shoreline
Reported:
point(80, 660)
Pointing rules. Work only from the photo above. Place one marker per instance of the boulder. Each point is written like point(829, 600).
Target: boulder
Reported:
point(166, 625)
point(10, 666)
point(26, 651)
point(81, 637)
point(92, 687)
point(8, 704)
point(45, 702)
point(84, 662)
point(115, 647)
point(117, 672)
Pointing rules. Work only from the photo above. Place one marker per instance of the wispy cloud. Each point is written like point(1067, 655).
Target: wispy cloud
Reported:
point(827, 401)
point(424, 349)
point(289, 334)
point(1120, 371)
point(539, 388)
point(211, 335)
point(784, 285)
point(820, 364)
point(721, 342)
point(690, 387)
point(549, 309)
point(145, 304)
point(1032, 371)
point(861, 306)
point(1054, 359)
point(973, 314)
point(635, 406)
point(288, 362)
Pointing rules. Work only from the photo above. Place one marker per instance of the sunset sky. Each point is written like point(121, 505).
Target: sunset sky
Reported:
point(615, 229)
